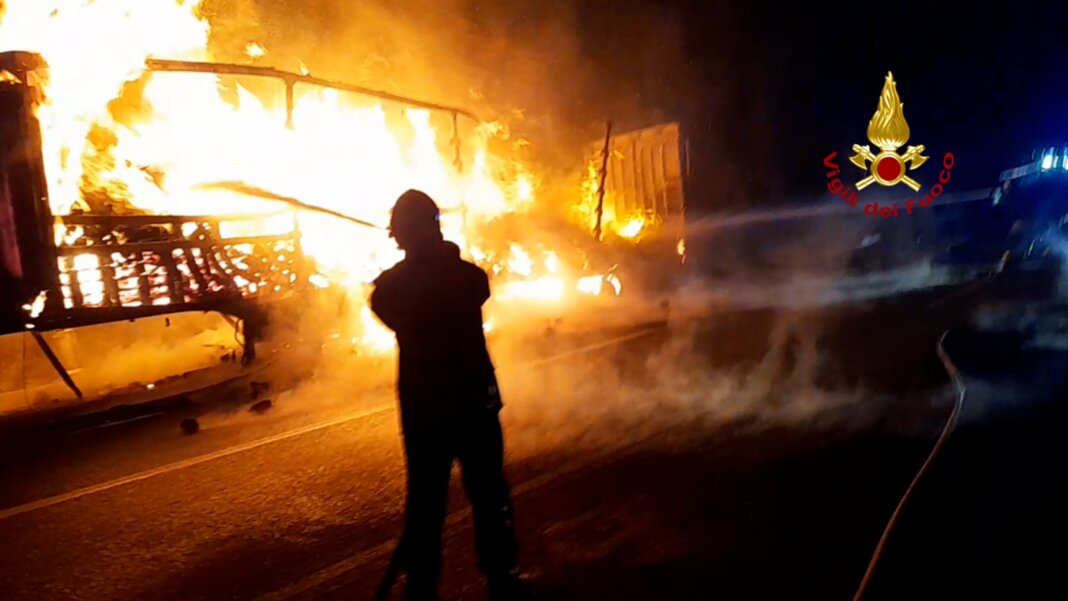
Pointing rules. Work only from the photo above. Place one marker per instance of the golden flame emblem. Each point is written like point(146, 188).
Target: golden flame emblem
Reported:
point(888, 131)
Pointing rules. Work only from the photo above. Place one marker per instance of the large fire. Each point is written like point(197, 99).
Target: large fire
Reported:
point(122, 140)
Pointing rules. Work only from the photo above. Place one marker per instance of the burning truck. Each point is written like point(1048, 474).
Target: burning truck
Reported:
point(134, 187)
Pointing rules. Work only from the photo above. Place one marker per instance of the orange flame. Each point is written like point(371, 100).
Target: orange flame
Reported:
point(145, 142)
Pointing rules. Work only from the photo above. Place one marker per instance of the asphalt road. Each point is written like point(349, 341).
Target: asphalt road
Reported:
point(635, 476)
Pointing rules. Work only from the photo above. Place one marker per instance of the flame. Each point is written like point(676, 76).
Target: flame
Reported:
point(888, 129)
point(116, 136)
point(34, 309)
point(319, 280)
point(255, 50)
point(543, 289)
point(85, 74)
point(591, 284)
point(614, 281)
point(519, 261)
point(630, 228)
point(552, 262)
point(524, 187)
point(375, 337)
point(595, 284)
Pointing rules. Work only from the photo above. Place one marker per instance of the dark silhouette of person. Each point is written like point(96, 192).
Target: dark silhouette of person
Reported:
point(449, 401)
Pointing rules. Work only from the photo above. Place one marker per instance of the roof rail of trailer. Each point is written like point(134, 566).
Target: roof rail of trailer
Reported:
point(290, 80)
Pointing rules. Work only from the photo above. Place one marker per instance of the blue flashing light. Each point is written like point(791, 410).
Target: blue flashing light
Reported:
point(1047, 162)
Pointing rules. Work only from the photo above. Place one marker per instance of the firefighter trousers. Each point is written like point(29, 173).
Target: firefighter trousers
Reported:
point(477, 442)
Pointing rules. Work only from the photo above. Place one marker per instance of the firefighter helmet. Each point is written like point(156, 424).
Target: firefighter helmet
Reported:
point(415, 212)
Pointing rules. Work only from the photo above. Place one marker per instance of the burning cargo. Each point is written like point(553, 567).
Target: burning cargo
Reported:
point(105, 211)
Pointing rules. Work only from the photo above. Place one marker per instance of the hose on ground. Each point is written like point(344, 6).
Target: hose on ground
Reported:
point(950, 424)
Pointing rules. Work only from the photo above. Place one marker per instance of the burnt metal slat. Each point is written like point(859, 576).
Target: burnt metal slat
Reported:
point(107, 275)
point(648, 182)
point(171, 244)
point(175, 283)
point(194, 268)
point(75, 289)
point(633, 200)
point(144, 288)
point(213, 261)
point(290, 79)
point(135, 220)
point(662, 204)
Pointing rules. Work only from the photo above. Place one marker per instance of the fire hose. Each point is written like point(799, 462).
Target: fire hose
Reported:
point(950, 424)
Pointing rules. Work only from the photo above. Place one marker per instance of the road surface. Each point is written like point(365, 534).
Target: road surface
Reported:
point(635, 478)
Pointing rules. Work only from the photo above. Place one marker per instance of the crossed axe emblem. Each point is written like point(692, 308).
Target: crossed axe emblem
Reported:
point(888, 167)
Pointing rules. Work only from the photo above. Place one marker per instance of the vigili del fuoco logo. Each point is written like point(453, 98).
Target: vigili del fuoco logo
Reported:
point(888, 131)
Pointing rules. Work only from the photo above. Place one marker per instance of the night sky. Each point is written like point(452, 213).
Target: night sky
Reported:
point(769, 88)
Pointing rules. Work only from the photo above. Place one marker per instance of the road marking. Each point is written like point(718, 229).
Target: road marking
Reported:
point(17, 510)
point(177, 465)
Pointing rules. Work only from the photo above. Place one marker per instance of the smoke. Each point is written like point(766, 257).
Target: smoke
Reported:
point(668, 380)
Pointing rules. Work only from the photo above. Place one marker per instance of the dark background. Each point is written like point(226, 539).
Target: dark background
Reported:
point(789, 82)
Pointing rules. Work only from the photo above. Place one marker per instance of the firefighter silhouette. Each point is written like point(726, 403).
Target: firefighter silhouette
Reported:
point(449, 401)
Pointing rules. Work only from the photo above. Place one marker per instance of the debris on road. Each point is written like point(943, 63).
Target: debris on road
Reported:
point(189, 425)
